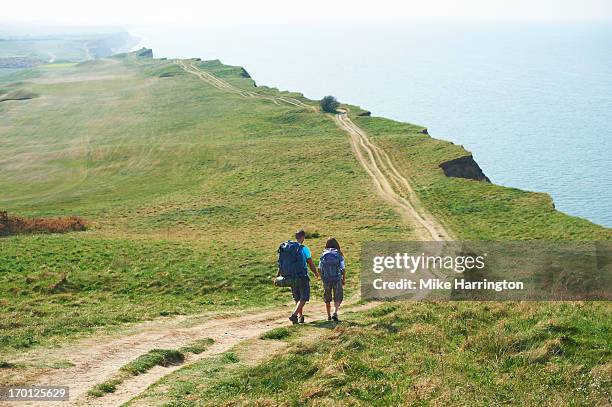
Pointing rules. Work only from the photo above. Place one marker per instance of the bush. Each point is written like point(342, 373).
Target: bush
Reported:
point(329, 104)
point(14, 225)
point(312, 234)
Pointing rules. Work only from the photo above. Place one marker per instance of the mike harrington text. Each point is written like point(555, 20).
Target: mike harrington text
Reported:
point(437, 284)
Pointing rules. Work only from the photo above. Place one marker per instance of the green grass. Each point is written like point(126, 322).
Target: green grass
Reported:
point(230, 357)
point(114, 281)
point(109, 386)
point(428, 353)
point(155, 357)
point(197, 346)
point(277, 333)
point(188, 191)
point(177, 389)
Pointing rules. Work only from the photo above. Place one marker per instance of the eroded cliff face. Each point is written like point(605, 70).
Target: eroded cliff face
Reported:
point(464, 167)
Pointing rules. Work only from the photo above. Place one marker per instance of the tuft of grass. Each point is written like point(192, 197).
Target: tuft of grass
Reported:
point(62, 365)
point(155, 357)
point(312, 234)
point(109, 386)
point(230, 357)
point(276, 333)
point(197, 346)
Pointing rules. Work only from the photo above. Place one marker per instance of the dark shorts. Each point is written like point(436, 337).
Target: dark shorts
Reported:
point(301, 289)
point(333, 290)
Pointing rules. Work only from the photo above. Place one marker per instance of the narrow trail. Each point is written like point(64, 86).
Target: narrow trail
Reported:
point(96, 359)
point(391, 185)
point(220, 84)
point(225, 332)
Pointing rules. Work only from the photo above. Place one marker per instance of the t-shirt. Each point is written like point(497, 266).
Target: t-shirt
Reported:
point(305, 256)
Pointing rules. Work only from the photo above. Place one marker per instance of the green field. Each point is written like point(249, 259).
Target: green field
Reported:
point(188, 189)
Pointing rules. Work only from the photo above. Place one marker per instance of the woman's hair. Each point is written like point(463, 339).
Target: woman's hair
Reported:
point(332, 243)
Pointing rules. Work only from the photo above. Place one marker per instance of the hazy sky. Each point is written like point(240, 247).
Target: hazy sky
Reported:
point(126, 12)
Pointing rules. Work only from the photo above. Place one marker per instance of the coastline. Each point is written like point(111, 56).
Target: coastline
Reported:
point(518, 145)
point(461, 164)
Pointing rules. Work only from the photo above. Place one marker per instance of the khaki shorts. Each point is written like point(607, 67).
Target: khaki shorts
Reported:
point(333, 290)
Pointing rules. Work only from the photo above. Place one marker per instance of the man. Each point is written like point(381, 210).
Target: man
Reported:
point(301, 288)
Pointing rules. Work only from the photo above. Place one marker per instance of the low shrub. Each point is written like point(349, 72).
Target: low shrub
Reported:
point(15, 225)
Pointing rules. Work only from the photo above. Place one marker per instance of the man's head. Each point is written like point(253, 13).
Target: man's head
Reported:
point(300, 235)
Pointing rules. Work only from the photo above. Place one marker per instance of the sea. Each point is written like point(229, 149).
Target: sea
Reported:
point(531, 101)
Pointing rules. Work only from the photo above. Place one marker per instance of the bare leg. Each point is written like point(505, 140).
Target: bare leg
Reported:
point(336, 305)
point(299, 306)
point(328, 309)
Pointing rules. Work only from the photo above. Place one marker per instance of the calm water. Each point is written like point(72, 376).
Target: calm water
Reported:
point(532, 102)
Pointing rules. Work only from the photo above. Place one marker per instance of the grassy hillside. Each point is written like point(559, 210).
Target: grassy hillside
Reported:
point(188, 189)
point(476, 354)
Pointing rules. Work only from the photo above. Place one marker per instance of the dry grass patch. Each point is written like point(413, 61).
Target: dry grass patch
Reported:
point(16, 225)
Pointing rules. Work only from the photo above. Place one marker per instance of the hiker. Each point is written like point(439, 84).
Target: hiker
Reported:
point(294, 259)
point(333, 275)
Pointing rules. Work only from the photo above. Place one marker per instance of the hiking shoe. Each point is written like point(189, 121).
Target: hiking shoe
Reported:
point(293, 318)
point(329, 318)
point(335, 317)
point(302, 319)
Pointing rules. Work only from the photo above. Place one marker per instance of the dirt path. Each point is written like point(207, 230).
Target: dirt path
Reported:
point(392, 186)
point(220, 84)
point(225, 332)
point(98, 358)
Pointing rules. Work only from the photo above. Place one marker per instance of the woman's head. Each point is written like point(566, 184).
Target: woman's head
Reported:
point(332, 243)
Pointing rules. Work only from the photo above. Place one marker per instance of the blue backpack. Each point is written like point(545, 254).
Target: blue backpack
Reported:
point(290, 260)
point(330, 266)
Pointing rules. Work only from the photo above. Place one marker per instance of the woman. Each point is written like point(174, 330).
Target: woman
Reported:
point(333, 275)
